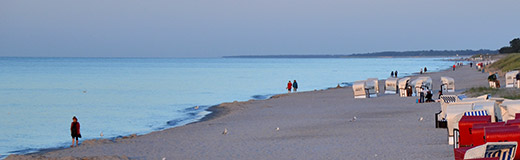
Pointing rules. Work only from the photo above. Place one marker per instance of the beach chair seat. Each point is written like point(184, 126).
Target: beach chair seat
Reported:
point(502, 150)
point(478, 130)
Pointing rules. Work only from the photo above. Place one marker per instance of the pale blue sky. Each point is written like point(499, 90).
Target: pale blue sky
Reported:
point(214, 28)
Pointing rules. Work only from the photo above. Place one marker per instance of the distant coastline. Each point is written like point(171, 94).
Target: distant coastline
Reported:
point(386, 54)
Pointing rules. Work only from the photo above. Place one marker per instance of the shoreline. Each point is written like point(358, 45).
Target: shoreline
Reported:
point(222, 110)
point(216, 111)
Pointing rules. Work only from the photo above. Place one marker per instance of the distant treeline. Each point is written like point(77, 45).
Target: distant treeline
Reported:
point(430, 53)
point(426, 53)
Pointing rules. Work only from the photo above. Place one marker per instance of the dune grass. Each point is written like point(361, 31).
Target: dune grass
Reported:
point(508, 63)
point(509, 93)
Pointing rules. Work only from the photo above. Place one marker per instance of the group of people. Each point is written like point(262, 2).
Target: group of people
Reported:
point(393, 74)
point(293, 86)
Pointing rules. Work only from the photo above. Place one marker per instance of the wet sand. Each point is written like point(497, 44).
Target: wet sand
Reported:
point(312, 125)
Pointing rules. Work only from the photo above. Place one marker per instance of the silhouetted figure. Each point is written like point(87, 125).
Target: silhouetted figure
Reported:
point(289, 86)
point(429, 96)
point(74, 131)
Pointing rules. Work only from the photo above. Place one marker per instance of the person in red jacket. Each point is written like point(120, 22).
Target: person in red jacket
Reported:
point(289, 86)
point(454, 67)
point(74, 131)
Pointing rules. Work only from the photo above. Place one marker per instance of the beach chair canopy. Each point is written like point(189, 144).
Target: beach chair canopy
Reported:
point(427, 82)
point(371, 86)
point(359, 88)
point(448, 82)
point(420, 83)
point(391, 84)
point(508, 109)
point(454, 99)
point(376, 84)
point(489, 106)
point(511, 78)
point(403, 82)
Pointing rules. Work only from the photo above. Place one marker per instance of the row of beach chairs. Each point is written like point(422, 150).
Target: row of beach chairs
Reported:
point(481, 127)
point(370, 88)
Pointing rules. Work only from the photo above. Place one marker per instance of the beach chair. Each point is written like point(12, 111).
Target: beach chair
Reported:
point(376, 84)
point(462, 135)
point(440, 117)
point(403, 84)
point(448, 84)
point(454, 116)
point(502, 150)
point(391, 86)
point(511, 78)
point(372, 86)
point(359, 88)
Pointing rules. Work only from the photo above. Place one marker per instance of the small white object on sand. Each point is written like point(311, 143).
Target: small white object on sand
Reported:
point(353, 119)
point(225, 131)
point(277, 128)
point(421, 119)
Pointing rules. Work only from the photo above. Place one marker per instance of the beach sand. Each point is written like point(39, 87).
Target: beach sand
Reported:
point(312, 125)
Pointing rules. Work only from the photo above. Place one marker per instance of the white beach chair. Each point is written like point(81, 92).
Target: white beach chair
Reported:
point(372, 86)
point(448, 84)
point(359, 88)
point(511, 78)
point(391, 86)
point(376, 84)
point(403, 84)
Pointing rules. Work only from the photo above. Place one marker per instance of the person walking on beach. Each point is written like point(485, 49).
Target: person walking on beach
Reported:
point(421, 71)
point(289, 86)
point(395, 73)
point(392, 74)
point(425, 69)
point(74, 131)
point(454, 67)
point(295, 86)
point(470, 64)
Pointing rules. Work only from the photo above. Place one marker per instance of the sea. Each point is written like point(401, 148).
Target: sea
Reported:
point(123, 96)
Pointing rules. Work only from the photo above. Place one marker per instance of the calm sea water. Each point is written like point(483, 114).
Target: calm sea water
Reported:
point(122, 96)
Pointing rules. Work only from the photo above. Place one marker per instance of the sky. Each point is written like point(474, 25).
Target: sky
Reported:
point(215, 28)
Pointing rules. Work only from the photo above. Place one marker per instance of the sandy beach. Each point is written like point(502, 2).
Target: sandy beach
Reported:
point(302, 125)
